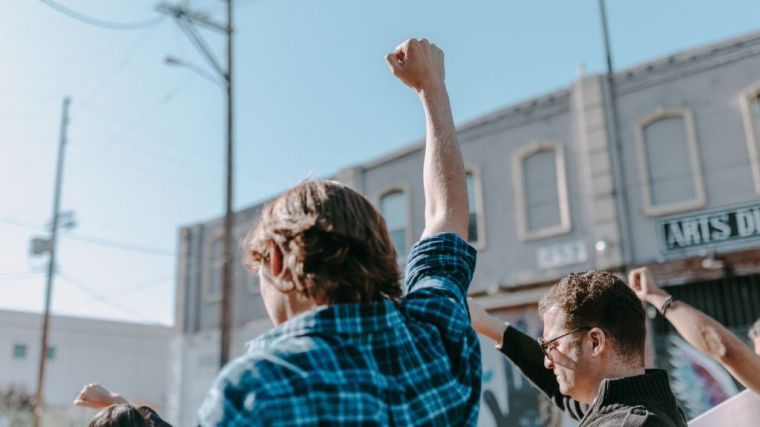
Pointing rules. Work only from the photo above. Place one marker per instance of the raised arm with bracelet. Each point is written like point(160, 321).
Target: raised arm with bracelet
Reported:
point(700, 330)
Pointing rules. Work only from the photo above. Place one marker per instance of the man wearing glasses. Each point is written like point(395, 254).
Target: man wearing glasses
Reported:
point(590, 360)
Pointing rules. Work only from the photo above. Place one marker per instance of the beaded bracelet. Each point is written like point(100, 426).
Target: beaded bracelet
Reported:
point(666, 305)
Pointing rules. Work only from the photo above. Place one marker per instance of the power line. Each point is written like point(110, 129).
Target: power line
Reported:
point(92, 239)
point(119, 245)
point(133, 48)
point(105, 300)
point(101, 23)
point(158, 281)
point(20, 275)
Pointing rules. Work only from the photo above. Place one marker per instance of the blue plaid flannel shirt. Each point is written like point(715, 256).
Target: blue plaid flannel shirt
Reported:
point(412, 362)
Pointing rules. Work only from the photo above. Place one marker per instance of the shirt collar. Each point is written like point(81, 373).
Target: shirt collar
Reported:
point(345, 319)
point(653, 386)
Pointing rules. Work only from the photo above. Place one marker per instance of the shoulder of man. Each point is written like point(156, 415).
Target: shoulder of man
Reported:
point(640, 416)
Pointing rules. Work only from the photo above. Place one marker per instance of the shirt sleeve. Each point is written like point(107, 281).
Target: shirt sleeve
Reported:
point(525, 353)
point(441, 265)
point(231, 400)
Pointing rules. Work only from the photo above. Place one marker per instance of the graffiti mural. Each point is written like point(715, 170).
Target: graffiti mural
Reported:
point(699, 382)
point(508, 399)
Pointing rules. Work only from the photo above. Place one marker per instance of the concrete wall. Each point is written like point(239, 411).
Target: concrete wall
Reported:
point(709, 86)
point(129, 358)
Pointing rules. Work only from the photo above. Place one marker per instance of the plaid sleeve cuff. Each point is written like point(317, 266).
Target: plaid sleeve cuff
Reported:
point(442, 256)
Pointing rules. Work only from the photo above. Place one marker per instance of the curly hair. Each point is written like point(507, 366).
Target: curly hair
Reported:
point(601, 299)
point(335, 245)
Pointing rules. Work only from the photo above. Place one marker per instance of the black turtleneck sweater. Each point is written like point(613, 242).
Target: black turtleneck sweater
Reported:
point(642, 400)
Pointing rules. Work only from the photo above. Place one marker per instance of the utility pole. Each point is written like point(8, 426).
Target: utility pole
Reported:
point(187, 19)
point(616, 147)
point(226, 314)
point(38, 403)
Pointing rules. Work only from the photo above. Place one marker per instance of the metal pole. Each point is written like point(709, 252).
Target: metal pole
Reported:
point(616, 148)
point(186, 18)
point(38, 404)
point(226, 310)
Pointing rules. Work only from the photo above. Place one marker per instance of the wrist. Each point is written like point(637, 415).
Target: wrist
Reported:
point(499, 333)
point(118, 399)
point(432, 90)
point(657, 298)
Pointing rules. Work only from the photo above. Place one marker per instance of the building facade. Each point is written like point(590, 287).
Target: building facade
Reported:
point(658, 165)
point(128, 358)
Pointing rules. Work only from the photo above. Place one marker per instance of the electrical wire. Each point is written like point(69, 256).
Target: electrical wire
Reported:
point(101, 23)
point(21, 275)
point(148, 284)
point(119, 245)
point(105, 300)
point(99, 241)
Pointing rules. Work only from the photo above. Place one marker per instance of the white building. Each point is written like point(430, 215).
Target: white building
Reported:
point(129, 358)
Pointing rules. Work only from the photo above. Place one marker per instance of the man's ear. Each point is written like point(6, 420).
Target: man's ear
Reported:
point(599, 341)
point(275, 256)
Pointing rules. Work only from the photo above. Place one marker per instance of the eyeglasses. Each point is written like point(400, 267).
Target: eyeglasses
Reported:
point(548, 345)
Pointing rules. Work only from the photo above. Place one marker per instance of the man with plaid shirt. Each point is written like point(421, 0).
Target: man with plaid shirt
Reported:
point(352, 346)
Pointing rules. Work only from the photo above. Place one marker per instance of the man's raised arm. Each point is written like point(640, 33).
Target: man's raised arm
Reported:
point(419, 64)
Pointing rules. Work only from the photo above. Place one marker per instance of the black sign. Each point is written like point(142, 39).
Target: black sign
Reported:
point(710, 228)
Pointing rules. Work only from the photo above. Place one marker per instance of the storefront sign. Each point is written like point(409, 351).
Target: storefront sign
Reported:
point(562, 254)
point(710, 228)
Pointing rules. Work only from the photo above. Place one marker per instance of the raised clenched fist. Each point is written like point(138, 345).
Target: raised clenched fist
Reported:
point(419, 64)
point(96, 396)
point(642, 283)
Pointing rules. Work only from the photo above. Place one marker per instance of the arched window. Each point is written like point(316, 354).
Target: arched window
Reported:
point(669, 165)
point(750, 101)
point(541, 191)
point(476, 228)
point(395, 209)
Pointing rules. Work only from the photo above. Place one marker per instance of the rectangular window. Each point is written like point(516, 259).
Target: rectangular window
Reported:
point(669, 163)
point(51, 353)
point(394, 208)
point(215, 264)
point(472, 229)
point(19, 351)
point(541, 191)
point(750, 102)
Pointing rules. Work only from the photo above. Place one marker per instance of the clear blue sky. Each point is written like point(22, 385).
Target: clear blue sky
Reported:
point(313, 96)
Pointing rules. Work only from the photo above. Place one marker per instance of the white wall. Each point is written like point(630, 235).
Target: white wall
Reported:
point(129, 358)
point(194, 367)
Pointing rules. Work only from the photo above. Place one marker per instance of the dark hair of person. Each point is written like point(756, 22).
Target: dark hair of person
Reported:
point(335, 245)
point(121, 415)
point(601, 299)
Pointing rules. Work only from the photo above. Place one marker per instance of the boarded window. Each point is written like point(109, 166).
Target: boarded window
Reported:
point(395, 210)
point(672, 176)
point(472, 200)
point(541, 191)
point(668, 159)
point(216, 262)
point(751, 112)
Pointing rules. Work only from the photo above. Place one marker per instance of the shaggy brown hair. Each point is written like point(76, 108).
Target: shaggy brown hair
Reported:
point(601, 299)
point(119, 416)
point(335, 244)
